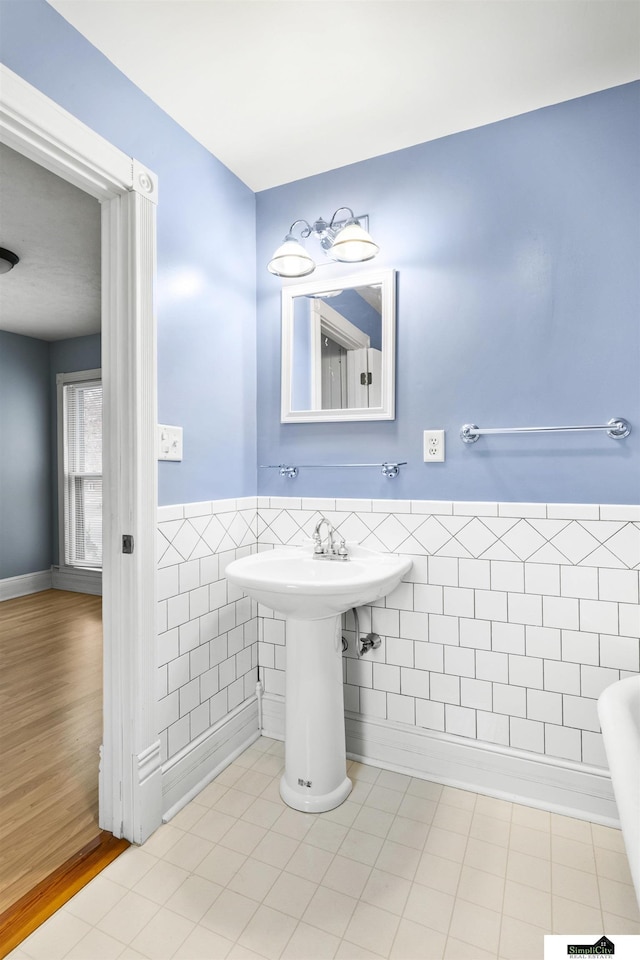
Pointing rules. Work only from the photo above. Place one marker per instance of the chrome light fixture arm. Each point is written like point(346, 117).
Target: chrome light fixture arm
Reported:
point(340, 223)
point(325, 232)
point(307, 230)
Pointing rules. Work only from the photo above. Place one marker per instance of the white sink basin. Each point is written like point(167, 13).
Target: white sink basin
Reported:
point(312, 594)
point(294, 583)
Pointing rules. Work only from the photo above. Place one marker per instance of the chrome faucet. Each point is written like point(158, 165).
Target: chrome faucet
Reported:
point(326, 549)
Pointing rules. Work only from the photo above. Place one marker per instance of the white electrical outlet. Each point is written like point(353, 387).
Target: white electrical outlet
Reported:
point(433, 446)
point(169, 442)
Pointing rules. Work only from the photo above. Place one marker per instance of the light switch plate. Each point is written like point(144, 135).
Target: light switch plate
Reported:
point(433, 446)
point(169, 442)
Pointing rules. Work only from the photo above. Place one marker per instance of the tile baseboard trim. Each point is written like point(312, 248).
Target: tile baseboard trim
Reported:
point(77, 581)
point(564, 787)
point(26, 583)
point(273, 716)
point(189, 771)
point(567, 788)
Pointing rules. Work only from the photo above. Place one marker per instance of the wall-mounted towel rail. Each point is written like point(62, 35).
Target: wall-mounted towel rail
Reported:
point(389, 470)
point(617, 429)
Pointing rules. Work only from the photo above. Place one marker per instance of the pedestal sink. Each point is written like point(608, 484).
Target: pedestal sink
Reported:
point(313, 594)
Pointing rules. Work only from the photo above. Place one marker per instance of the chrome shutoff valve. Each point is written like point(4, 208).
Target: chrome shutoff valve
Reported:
point(371, 642)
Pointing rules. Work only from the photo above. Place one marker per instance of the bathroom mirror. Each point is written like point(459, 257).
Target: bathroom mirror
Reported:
point(338, 348)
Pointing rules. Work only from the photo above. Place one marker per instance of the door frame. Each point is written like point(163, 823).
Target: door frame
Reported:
point(130, 785)
point(325, 319)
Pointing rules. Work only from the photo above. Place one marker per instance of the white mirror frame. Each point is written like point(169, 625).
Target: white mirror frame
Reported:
point(386, 410)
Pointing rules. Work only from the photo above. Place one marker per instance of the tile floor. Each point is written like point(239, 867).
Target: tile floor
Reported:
point(404, 869)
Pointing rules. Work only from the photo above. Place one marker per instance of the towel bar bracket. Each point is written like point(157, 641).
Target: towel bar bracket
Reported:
point(289, 472)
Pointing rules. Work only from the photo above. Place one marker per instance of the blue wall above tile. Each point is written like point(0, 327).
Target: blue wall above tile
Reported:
point(205, 292)
point(517, 248)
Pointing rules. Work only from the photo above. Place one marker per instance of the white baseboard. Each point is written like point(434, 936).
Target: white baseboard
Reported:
point(147, 792)
point(572, 789)
point(25, 584)
point(273, 716)
point(190, 770)
point(77, 580)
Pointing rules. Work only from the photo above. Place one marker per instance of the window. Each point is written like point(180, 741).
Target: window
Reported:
point(81, 500)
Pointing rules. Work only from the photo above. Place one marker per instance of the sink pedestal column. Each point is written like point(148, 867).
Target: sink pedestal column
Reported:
point(315, 777)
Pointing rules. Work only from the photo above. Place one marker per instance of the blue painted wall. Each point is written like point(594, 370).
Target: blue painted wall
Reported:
point(517, 248)
point(65, 356)
point(25, 462)
point(28, 440)
point(206, 291)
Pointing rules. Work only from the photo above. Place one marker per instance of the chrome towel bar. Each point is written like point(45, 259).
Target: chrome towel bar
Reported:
point(389, 470)
point(617, 429)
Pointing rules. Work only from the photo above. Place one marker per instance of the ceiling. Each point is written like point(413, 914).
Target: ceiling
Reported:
point(54, 292)
point(288, 89)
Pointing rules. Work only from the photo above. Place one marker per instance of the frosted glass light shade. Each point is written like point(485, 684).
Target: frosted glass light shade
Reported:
point(291, 260)
point(353, 245)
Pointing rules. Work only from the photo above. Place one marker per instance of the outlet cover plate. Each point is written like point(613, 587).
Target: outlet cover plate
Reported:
point(433, 446)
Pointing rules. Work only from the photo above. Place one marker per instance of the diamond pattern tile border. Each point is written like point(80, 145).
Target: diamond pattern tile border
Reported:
point(586, 543)
point(591, 543)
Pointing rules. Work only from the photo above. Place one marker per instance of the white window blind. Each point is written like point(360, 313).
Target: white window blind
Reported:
point(82, 406)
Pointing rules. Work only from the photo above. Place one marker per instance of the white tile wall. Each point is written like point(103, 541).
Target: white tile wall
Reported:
point(511, 622)
point(207, 646)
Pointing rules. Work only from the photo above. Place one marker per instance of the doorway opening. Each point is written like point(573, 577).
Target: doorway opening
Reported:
point(51, 649)
point(34, 126)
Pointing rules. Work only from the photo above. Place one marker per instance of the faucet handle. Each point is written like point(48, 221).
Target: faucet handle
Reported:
point(317, 543)
point(342, 549)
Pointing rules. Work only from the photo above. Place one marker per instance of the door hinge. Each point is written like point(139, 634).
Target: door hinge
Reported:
point(365, 379)
point(127, 543)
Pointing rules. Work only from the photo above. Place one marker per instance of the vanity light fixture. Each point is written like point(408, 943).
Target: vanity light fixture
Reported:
point(8, 260)
point(343, 240)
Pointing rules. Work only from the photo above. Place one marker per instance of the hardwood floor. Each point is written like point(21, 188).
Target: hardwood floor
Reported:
point(56, 889)
point(50, 732)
